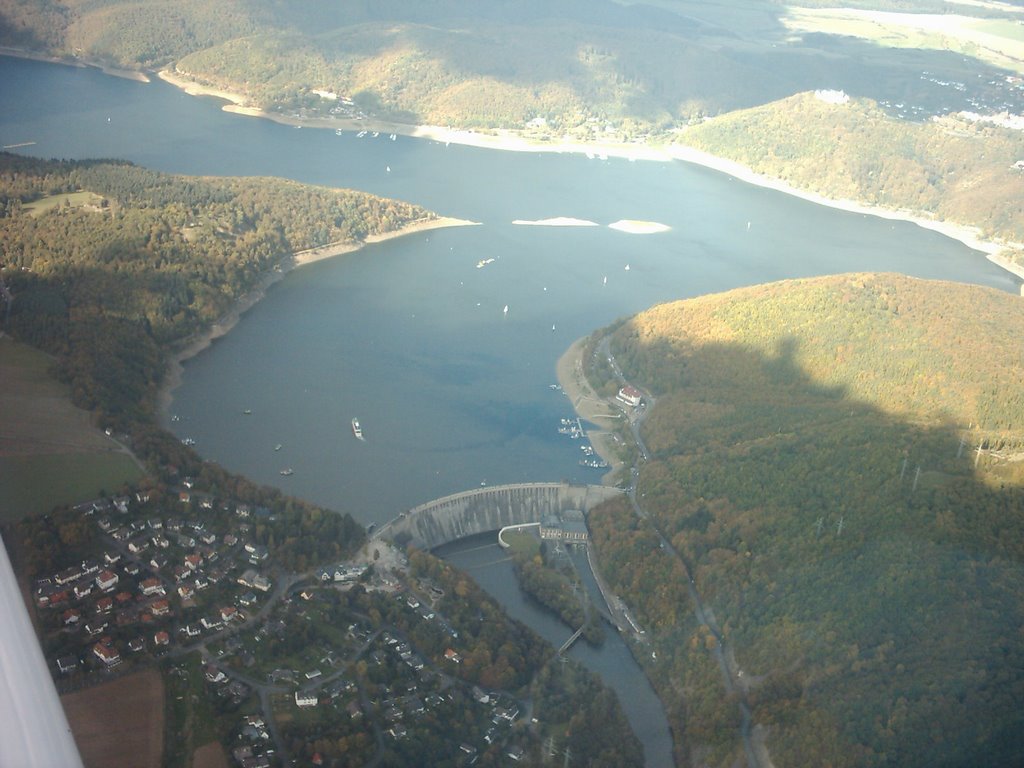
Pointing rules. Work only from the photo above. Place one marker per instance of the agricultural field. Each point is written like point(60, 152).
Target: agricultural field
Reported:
point(210, 756)
point(997, 41)
point(119, 723)
point(50, 452)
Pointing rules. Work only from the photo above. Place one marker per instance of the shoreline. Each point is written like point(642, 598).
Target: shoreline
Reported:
point(193, 346)
point(124, 74)
point(511, 141)
point(569, 372)
point(968, 235)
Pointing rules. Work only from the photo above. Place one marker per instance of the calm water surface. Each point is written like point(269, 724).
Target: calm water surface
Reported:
point(410, 336)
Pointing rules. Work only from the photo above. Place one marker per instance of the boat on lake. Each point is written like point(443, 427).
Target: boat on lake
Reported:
point(287, 472)
point(357, 430)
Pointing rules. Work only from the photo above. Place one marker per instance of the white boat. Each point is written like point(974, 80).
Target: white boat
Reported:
point(357, 430)
point(277, 447)
point(394, 136)
point(338, 132)
point(287, 472)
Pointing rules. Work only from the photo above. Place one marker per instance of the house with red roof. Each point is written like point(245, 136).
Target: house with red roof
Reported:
point(106, 654)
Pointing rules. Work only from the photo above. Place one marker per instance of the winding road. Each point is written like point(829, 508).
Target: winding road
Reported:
point(756, 758)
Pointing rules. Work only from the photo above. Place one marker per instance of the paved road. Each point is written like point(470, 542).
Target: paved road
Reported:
point(704, 616)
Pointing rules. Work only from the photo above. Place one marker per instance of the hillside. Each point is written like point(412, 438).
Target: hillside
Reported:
point(594, 69)
point(816, 464)
point(949, 168)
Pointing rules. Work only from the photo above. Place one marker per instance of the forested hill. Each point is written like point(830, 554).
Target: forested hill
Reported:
point(951, 168)
point(596, 69)
point(110, 263)
point(837, 462)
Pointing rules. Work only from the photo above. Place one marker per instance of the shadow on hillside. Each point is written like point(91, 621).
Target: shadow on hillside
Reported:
point(867, 572)
point(646, 60)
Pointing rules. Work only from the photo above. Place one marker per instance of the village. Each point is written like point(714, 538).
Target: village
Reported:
point(352, 658)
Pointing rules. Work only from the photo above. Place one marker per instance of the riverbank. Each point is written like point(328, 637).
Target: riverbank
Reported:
point(574, 384)
point(196, 344)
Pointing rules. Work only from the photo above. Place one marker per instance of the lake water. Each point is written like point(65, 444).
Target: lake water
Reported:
point(410, 336)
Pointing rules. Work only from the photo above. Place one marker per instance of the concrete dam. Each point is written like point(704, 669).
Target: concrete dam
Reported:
point(489, 509)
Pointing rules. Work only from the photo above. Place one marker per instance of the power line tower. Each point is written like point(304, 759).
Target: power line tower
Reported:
point(904, 470)
point(917, 476)
point(839, 528)
point(818, 525)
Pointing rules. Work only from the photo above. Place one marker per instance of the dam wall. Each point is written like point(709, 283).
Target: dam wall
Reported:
point(489, 509)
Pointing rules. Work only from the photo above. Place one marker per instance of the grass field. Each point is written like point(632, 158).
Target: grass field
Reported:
point(119, 723)
point(31, 485)
point(71, 200)
point(50, 452)
point(523, 542)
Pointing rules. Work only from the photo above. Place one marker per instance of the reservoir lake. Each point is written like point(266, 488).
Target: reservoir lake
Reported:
point(411, 337)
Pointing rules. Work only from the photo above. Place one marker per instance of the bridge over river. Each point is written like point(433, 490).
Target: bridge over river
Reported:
point(489, 509)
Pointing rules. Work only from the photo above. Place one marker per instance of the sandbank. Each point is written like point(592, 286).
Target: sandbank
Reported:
point(634, 227)
point(196, 344)
point(590, 406)
point(558, 221)
point(193, 88)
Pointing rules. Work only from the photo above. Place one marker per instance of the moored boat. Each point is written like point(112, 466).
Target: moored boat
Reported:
point(357, 430)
